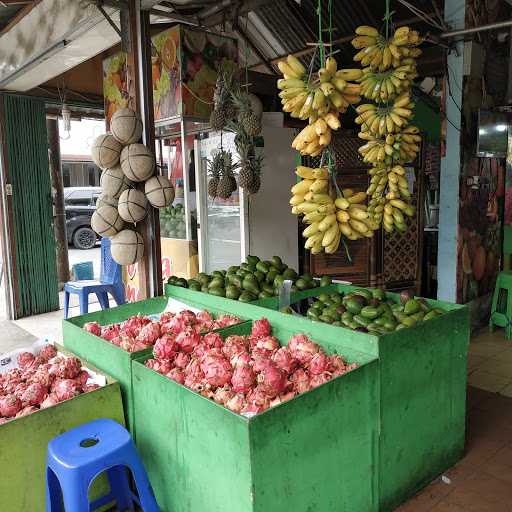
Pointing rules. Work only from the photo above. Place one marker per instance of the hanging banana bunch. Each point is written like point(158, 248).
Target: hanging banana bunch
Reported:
point(389, 68)
point(319, 99)
point(328, 217)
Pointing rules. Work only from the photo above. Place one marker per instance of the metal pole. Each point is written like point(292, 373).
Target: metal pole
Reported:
point(473, 30)
point(59, 227)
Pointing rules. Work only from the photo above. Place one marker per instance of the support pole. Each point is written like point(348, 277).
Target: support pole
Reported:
point(454, 13)
point(59, 226)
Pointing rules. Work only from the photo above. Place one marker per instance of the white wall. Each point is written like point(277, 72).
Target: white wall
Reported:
point(272, 227)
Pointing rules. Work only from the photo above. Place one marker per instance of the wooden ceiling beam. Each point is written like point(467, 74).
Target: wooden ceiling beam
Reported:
point(20, 15)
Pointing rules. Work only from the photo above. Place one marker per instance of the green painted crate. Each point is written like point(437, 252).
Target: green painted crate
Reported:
point(108, 357)
point(422, 375)
point(317, 452)
point(24, 443)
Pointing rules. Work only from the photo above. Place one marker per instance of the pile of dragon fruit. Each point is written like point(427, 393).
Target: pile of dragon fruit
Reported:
point(140, 332)
point(246, 374)
point(41, 381)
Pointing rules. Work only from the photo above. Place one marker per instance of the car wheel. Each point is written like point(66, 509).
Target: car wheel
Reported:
point(84, 238)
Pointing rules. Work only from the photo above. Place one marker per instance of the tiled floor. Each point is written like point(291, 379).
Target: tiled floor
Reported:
point(482, 480)
point(490, 362)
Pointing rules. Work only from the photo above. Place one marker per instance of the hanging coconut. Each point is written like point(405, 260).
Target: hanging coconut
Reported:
point(137, 162)
point(159, 191)
point(126, 126)
point(106, 200)
point(113, 182)
point(127, 247)
point(133, 205)
point(106, 221)
point(105, 151)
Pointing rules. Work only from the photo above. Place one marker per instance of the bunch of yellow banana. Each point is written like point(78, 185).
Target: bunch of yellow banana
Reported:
point(386, 86)
point(381, 53)
point(354, 220)
point(394, 148)
point(391, 213)
point(381, 120)
point(311, 198)
point(316, 136)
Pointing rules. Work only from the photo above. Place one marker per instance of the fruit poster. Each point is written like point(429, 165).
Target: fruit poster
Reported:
point(184, 71)
point(115, 88)
point(479, 242)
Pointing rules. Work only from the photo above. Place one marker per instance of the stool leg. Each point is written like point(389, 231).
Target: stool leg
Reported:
point(146, 495)
point(103, 299)
point(508, 309)
point(75, 497)
point(84, 303)
point(66, 304)
point(120, 488)
point(53, 492)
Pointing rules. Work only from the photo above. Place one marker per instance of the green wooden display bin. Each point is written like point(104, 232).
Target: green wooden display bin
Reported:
point(317, 452)
point(24, 442)
point(110, 358)
point(422, 376)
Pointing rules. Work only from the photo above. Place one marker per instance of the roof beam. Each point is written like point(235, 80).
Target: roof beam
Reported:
point(20, 15)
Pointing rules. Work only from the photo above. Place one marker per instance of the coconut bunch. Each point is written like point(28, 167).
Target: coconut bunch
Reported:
point(40, 380)
point(129, 186)
point(139, 332)
point(246, 374)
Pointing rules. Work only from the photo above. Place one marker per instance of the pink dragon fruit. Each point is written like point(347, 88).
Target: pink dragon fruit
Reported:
point(10, 406)
point(65, 389)
point(188, 339)
point(284, 359)
point(69, 368)
point(236, 403)
point(166, 316)
point(225, 321)
point(257, 401)
point(217, 370)
point(138, 346)
point(82, 378)
point(127, 343)
point(90, 387)
point(193, 374)
point(319, 364)
point(150, 363)
point(302, 348)
point(50, 400)
point(26, 360)
point(34, 394)
point(200, 350)
point(223, 395)
point(189, 316)
point(93, 328)
point(164, 366)
point(284, 397)
point(322, 378)
point(240, 359)
point(177, 375)
point(47, 352)
point(243, 379)
point(176, 325)
point(11, 379)
point(43, 376)
point(272, 380)
point(261, 328)
point(260, 360)
point(165, 347)
point(205, 320)
point(336, 365)
point(182, 360)
point(110, 332)
point(149, 333)
point(300, 381)
point(20, 389)
point(213, 340)
point(29, 409)
point(235, 345)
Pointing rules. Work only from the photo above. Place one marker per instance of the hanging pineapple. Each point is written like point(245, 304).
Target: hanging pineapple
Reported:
point(249, 120)
point(223, 110)
point(227, 182)
point(214, 170)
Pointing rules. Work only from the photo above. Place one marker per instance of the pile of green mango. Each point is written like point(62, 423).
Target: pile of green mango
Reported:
point(370, 310)
point(251, 280)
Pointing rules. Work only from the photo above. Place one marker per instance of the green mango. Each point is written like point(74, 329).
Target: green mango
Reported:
point(430, 315)
point(232, 292)
point(312, 313)
point(326, 319)
point(264, 295)
point(378, 293)
point(325, 280)
point(318, 305)
point(216, 282)
point(217, 273)
point(217, 291)
point(247, 296)
point(369, 312)
point(260, 276)
point(265, 287)
point(279, 280)
point(233, 269)
point(251, 286)
point(204, 288)
point(367, 294)
point(172, 280)
point(336, 298)
point(409, 321)
point(276, 261)
point(400, 326)
point(262, 267)
point(290, 274)
point(252, 260)
point(272, 274)
point(194, 285)
point(307, 277)
point(182, 283)
point(411, 307)
point(323, 297)
point(362, 321)
point(353, 306)
point(301, 284)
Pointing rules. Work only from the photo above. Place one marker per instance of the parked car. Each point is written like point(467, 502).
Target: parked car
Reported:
point(80, 204)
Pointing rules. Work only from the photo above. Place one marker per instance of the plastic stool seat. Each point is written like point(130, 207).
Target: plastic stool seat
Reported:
point(501, 309)
point(77, 457)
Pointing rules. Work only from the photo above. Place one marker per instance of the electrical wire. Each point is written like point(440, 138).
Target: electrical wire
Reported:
point(423, 15)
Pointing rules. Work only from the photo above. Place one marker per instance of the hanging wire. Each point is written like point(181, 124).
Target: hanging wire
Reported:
point(246, 56)
point(330, 28)
point(320, 34)
point(423, 15)
point(387, 18)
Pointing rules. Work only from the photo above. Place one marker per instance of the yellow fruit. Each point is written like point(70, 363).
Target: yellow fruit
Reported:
point(358, 226)
point(342, 216)
point(365, 30)
point(296, 65)
point(319, 186)
point(330, 65)
point(357, 198)
point(342, 203)
point(302, 187)
point(332, 120)
point(305, 172)
point(349, 74)
point(357, 214)
point(296, 200)
point(312, 240)
point(328, 221)
point(362, 41)
point(306, 207)
point(347, 192)
point(311, 230)
point(326, 209)
point(321, 173)
point(330, 235)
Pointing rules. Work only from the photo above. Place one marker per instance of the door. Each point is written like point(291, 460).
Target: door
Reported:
point(222, 227)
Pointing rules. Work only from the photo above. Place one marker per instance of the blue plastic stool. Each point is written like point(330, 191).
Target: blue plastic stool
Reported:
point(78, 456)
point(111, 281)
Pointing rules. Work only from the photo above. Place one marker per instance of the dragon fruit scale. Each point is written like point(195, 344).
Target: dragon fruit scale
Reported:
point(217, 370)
point(261, 328)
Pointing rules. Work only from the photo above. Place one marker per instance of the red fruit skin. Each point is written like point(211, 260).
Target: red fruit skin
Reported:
point(200, 350)
point(322, 378)
point(235, 345)
point(10, 406)
point(43, 376)
point(272, 380)
point(213, 340)
point(50, 400)
point(47, 352)
point(319, 364)
point(177, 375)
point(110, 332)
point(150, 363)
point(89, 387)
point(194, 376)
point(205, 320)
point(300, 380)
point(217, 369)
point(83, 377)
point(65, 389)
point(182, 360)
point(127, 343)
point(149, 333)
point(302, 348)
point(225, 321)
point(93, 328)
point(261, 328)
point(236, 403)
point(223, 395)
point(34, 394)
point(29, 409)
point(243, 379)
point(26, 360)
point(284, 360)
point(188, 339)
point(241, 359)
point(69, 368)
point(164, 366)
point(165, 347)
point(20, 389)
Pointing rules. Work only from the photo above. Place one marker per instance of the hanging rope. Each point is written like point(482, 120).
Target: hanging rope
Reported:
point(320, 34)
point(246, 56)
point(387, 18)
point(330, 28)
